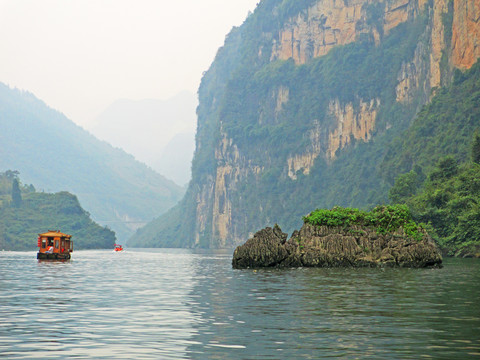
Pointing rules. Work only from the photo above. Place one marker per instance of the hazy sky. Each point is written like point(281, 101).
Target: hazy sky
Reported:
point(81, 55)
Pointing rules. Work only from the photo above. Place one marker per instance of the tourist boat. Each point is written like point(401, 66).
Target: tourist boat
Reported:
point(118, 247)
point(54, 245)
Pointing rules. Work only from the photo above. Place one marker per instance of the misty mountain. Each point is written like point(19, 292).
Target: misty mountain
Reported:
point(53, 153)
point(176, 158)
point(302, 105)
point(144, 128)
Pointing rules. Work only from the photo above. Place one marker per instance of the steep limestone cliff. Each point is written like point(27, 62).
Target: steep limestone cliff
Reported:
point(409, 78)
point(300, 85)
point(465, 33)
point(303, 162)
point(351, 122)
point(329, 23)
point(232, 169)
point(437, 46)
point(317, 30)
point(357, 122)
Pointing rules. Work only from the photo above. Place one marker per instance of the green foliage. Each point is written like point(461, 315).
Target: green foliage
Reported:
point(375, 14)
point(476, 148)
point(39, 212)
point(442, 128)
point(405, 186)
point(386, 219)
point(338, 216)
point(450, 203)
point(11, 189)
point(171, 237)
point(445, 67)
point(16, 194)
point(446, 168)
point(447, 20)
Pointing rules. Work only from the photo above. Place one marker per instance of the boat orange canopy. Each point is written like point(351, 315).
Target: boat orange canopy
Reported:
point(54, 244)
point(55, 233)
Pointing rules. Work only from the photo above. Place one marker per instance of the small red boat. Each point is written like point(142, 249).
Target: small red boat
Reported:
point(118, 247)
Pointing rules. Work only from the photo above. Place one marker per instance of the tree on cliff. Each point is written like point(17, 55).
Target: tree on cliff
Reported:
point(406, 186)
point(16, 193)
point(476, 148)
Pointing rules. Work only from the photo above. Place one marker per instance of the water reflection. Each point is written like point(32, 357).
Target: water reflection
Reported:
point(346, 313)
point(177, 304)
point(99, 305)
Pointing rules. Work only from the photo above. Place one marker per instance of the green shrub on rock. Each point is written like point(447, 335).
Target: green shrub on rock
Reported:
point(384, 218)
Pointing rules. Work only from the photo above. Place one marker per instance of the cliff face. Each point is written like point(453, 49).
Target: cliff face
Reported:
point(465, 33)
point(297, 87)
point(329, 23)
point(357, 122)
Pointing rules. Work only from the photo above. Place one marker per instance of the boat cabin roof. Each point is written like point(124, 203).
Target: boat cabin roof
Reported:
point(55, 233)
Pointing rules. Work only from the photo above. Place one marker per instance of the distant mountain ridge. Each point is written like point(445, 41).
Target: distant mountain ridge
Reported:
point(144, 128)
point(176, 158)
point(53, 153)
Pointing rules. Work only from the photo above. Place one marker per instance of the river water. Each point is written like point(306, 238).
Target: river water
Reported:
point(180, 304)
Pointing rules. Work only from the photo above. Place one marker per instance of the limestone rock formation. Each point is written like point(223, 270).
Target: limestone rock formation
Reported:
point(267, 248)
point(323, 246)
point(465, 33)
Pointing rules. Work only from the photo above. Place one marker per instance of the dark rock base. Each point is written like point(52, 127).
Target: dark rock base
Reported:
point(320, 246)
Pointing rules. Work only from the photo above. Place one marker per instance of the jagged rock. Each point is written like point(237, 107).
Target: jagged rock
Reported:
point(267, 248)
point(322, 246)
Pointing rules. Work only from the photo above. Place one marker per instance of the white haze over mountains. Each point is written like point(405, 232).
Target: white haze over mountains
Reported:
point(80, 56)
point(160, 133)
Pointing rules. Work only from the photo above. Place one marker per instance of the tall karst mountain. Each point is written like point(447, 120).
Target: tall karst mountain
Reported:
point(300, 106)
point(53, 153)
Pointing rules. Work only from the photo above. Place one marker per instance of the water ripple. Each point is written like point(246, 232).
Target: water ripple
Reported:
point(177, 304)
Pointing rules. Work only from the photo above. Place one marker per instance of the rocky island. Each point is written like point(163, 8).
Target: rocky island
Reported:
point(343, 237)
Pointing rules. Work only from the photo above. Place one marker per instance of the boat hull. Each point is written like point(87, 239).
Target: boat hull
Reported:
point(54, 256)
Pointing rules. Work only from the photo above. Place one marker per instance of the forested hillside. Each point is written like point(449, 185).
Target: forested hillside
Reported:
point(306, 106)
point(442, 128)
point(439, 156)
point(52, 152)
point(24, 213)
point(448, 202)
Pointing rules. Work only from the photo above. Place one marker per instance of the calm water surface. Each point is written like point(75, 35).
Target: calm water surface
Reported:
point(178, 304)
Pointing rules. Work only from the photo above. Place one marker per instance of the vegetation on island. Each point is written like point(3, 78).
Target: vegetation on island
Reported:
point(24, 213)
point(385, 219)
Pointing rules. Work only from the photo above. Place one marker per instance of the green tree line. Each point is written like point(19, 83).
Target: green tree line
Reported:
point(24, 213)
point(448, 200)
